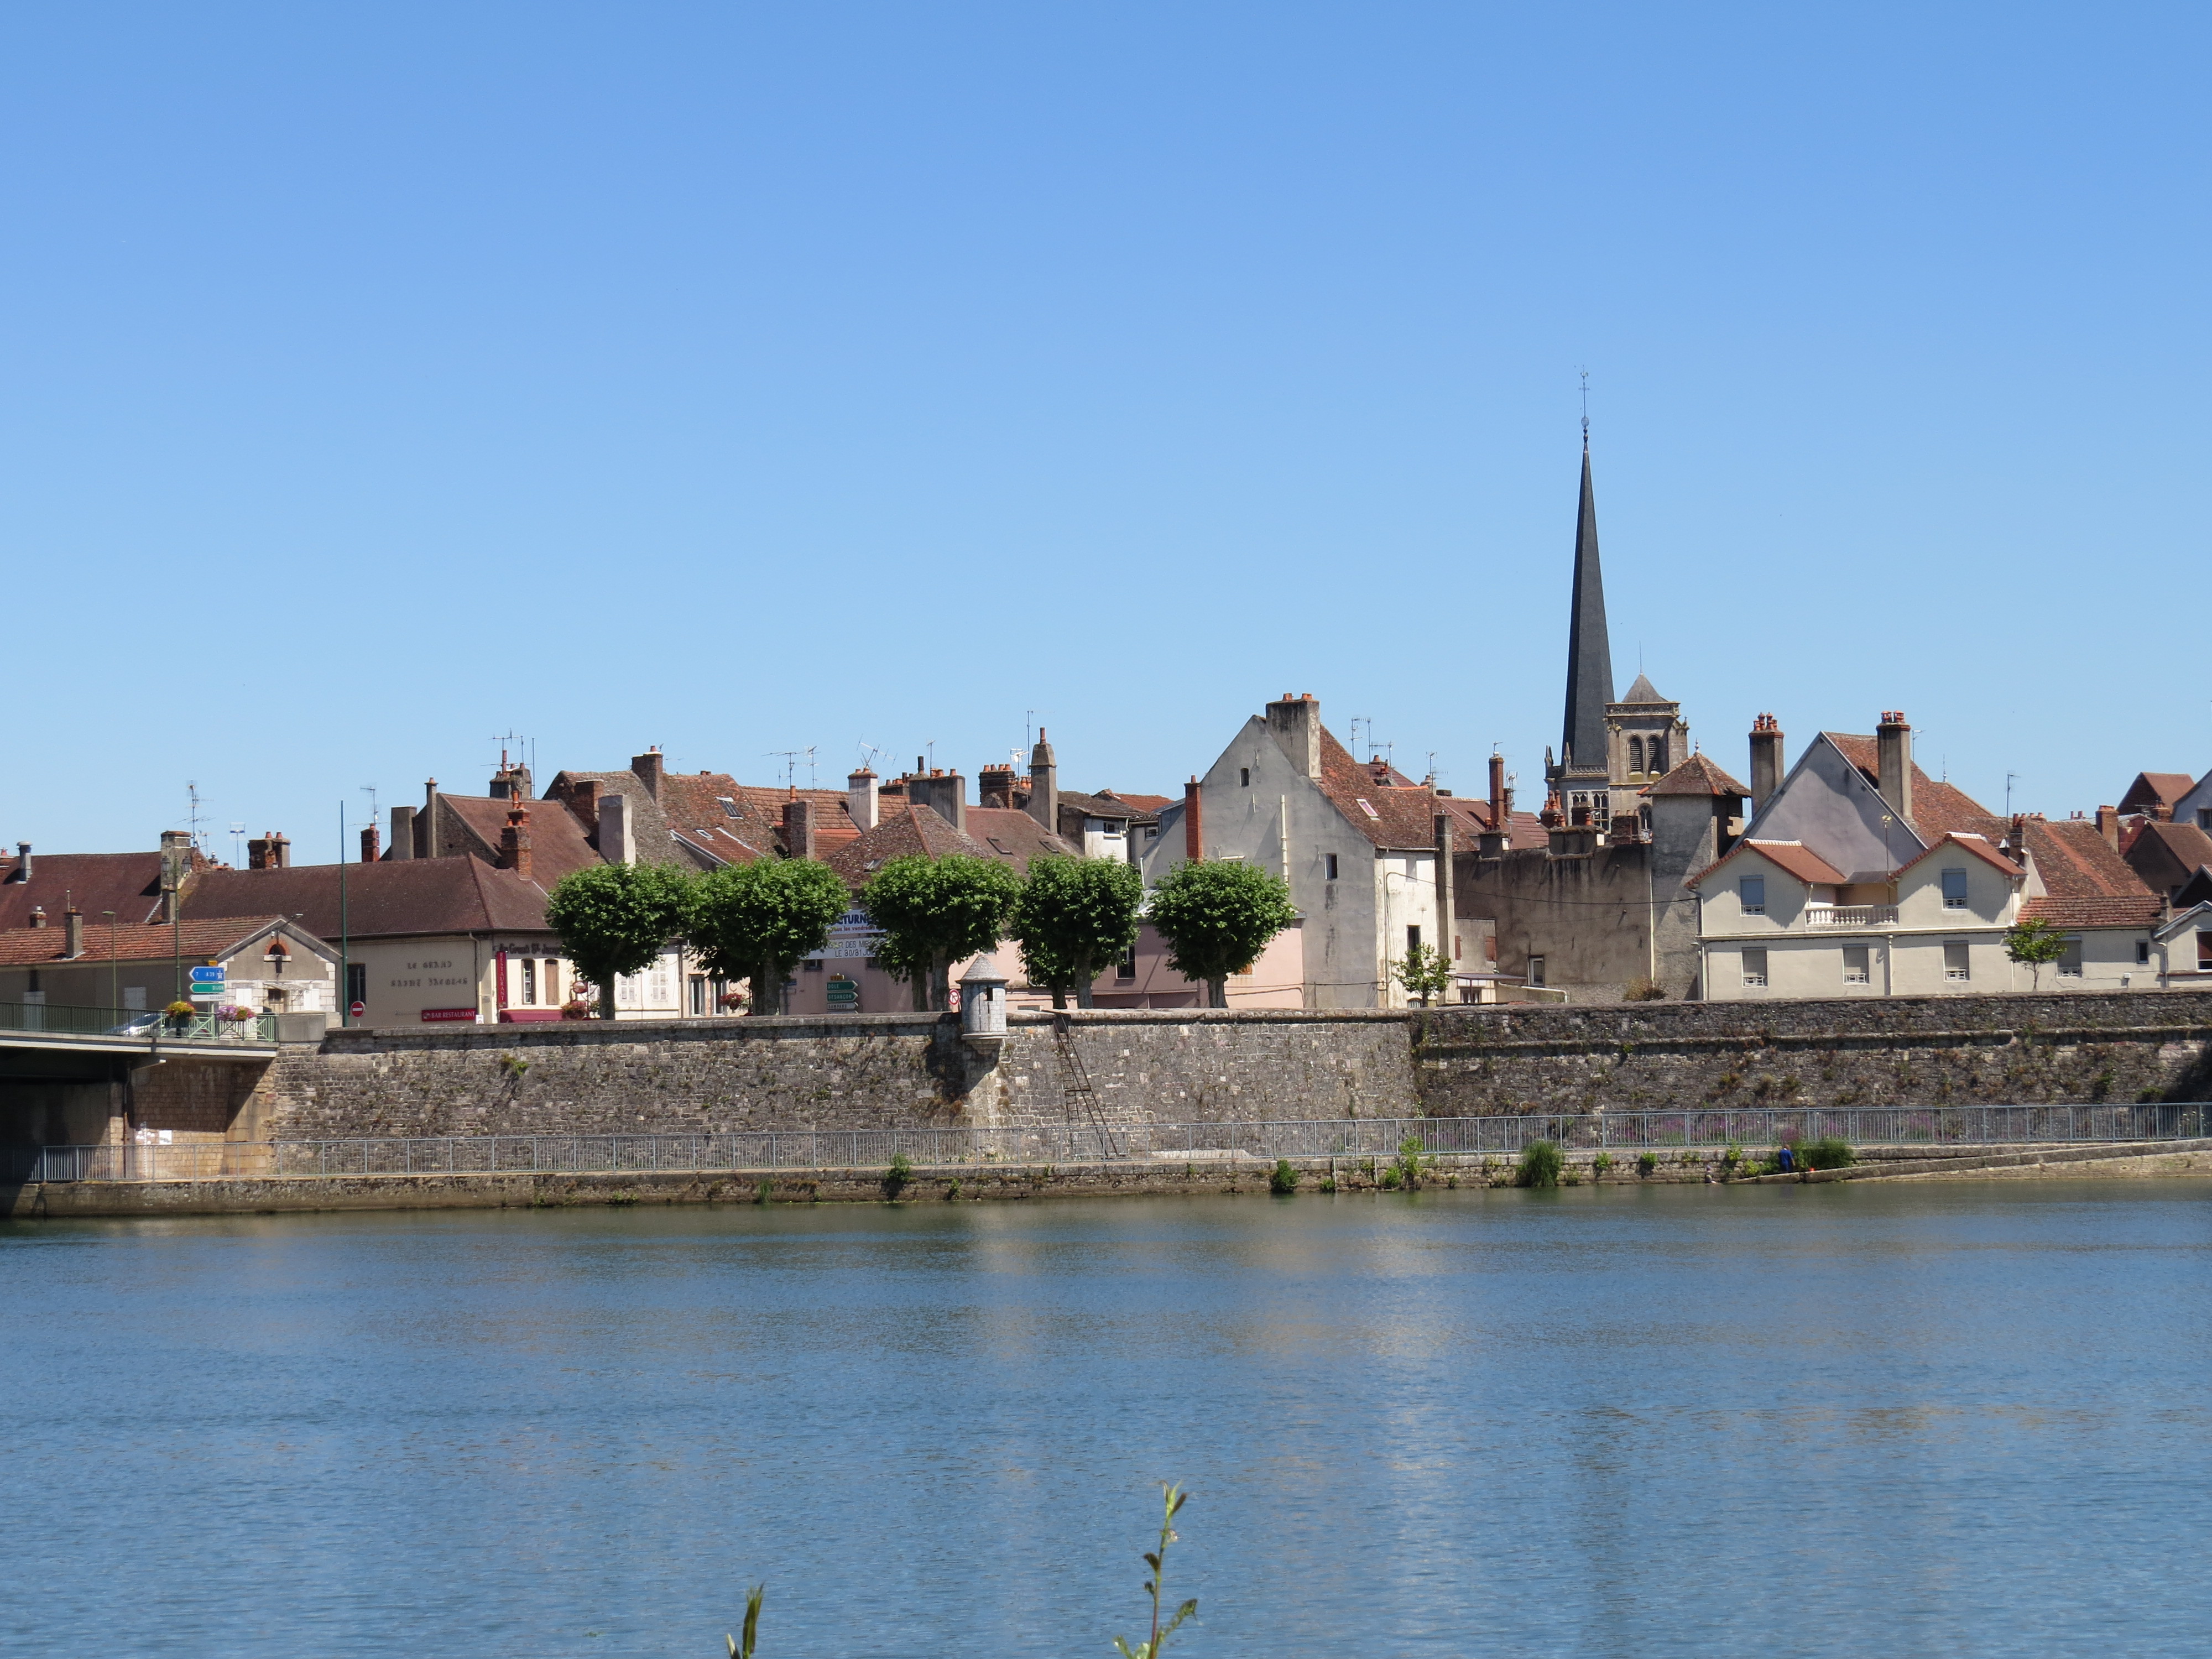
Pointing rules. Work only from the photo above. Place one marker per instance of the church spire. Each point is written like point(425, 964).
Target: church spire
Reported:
point(1589, 654)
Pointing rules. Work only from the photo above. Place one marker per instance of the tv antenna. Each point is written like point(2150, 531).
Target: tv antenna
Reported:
point(237, 845)
point(192, 818)
point(791, 757)
point(2009, 777)
point(369, 789)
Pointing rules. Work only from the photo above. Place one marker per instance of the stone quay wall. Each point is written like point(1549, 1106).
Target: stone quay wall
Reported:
point(2072, 1048)
point(876, 1070)
point(858, 1071)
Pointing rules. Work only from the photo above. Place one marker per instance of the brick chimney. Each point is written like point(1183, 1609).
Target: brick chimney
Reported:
point(72, 932)
point(1766, 759)
point(2108, 826)
point(994, 786)
point(372, 844)
point(1193, 821)
point(614, 829)
point(403, 832)
point(1296, 724)
point(583, 800)
point(515, 840)
point(798, 830)
point(1045, 784)
point(647, 768)
point(860, 799)
point(257, 854)
point(1497, 793)
point(1894, 762)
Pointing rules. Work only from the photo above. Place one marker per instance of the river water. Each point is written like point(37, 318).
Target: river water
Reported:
point(1843, 1420)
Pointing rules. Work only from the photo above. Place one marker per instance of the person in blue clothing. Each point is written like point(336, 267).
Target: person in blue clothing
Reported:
point(1787, 1159)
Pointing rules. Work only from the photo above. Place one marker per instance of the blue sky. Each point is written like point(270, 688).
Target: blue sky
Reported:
point(377, 379)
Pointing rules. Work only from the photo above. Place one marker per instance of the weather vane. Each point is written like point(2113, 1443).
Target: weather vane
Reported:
point(1585, 375)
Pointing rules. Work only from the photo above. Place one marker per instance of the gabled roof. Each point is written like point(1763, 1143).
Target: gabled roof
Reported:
point(2198, 914)
point(558, 846)
point(2086, 883)
point(195, 941)
point(905, 830)
point(2198, 889)
point(1938, 808)
point(649, 840)
point(736, 823)
point(1016, 836)
point(129, 884)
point(1698, 776)
point(1790, 855)
point(1399, 816)
point(1147, 804)
point(2156, 789)
point(1972, 846)
point(403, 898)
point(1107, 805)
point(2164, 853)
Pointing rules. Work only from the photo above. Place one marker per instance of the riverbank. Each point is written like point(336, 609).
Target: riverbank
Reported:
point(1207, 1174)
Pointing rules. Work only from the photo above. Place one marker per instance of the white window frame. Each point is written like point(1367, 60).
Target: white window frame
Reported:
point(1957, 975)
point(1760, 977)
point(1966, 891)
point(1744, 888)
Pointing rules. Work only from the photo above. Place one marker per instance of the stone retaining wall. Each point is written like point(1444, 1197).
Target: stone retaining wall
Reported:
point(1174, 1066)
point(858, 1071)
point(1894, 1051)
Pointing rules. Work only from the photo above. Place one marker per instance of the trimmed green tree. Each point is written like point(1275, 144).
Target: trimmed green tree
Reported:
point(935, 912)
point(756, 921)
point(1425, 973)
point(1217, 918)
point(1074, 916)
point(2035, 943)
point(614, 919)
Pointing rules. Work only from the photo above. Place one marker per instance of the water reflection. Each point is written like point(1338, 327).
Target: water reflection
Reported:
point(1799, 1420)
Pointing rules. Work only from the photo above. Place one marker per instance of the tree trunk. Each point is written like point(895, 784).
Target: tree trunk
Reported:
point(607, 996)
point(1084, 979)
point(921, 994)
point(768, 990)
point(1060, 996)
point(1217, 993)
point(940, 983)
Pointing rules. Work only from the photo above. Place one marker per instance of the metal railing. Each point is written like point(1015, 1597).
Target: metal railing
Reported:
point(1850, 915)
point(60, 1019)
point(1067, 1144)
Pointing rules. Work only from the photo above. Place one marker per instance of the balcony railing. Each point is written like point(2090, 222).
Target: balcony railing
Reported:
point(61, 1019)
point(1850, 915)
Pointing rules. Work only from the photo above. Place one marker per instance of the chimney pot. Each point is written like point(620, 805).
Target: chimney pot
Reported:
point(1894, 768)
point(514, 840)
point(22, 860)
point(647, 768)
point(372, 844)
point(1766, 759)
point(38, 916)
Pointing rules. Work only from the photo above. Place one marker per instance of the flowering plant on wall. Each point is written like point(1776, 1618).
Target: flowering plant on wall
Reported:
point(232, 1012)
point(577, 1007)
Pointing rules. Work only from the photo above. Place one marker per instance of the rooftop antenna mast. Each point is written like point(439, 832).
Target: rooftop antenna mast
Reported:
point(2009, 777)
point(193, 795)
point(237, 845)
point(369, 789)
point(1585, 375)
point(791, 758)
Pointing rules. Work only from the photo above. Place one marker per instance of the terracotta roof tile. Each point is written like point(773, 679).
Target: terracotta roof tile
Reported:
point(1698, 775)
point(129, 884)
point(1938, 808)
point(24, 947)
point(1399, 816)
point(2156, 789)
point(1790, 855)
point(404, 897)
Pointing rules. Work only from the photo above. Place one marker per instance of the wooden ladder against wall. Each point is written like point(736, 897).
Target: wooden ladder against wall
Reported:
point(1079, 1092)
